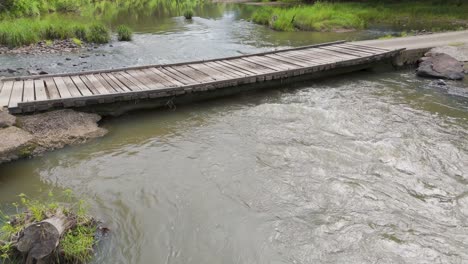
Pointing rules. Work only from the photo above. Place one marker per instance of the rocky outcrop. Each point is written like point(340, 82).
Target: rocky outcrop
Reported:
point(15, 143)
point(6, 120)
point(25, 136)
point(440, 65)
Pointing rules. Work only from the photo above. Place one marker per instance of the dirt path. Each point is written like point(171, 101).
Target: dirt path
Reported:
point(420, 42)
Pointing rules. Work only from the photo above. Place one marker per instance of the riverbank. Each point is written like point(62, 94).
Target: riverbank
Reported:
point(27, 136)
point(338, 17)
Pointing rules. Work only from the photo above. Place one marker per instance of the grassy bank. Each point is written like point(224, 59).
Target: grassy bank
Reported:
point(24, 22)
point(25, 31)
point(324, 16)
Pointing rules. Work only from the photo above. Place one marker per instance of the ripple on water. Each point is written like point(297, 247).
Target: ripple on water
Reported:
point(340, 171)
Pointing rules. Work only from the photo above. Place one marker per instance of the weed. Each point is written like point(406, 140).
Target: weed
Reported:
point(124, 33)
point(188, 14)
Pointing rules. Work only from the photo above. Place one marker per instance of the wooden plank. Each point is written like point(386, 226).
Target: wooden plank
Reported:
point(81, 86)
point(97, 85)
point(181, 75)
point(243, 67)
point(134, 80)
point(269, 65)
point(159, 74)
point(322, 57)
point(310, 57)
point(51, 88)
point(214, 74)
point(107, 85)
point(382, 50)
point(359, 52)
point(350, 47)
point(341, 52)
point(291, 60)
point(253, 66)
point(159, 78)
point(5, 94)
point(226, 70)
point(178, 77)
point(276, 62)
point(71, 86)
point(28, 91)
point(194, 74)
point(130, 85)
point(144, 78)
point(115, 83)
point(89, 84)
point(62, 87)
point(16, 94)
point(40, 90)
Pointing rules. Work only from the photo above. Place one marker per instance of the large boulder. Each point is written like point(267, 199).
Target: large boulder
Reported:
point(6, 120)
point(440, 65)
point(59, 128)
point(15, 143)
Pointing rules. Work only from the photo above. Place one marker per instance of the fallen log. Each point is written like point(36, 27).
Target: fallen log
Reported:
point(39, 240)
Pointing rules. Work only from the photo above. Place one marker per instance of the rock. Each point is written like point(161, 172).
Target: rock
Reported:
point(84, 56)
point(441, 82)
point(16, 143)
point(59, 128)
point(460, 53)
point(440, 65)
point(59, 64)
point(33, 72)
point(6, 120)
point(68, 59)
point(43, 72)
point(11, 70)
point(465, 67)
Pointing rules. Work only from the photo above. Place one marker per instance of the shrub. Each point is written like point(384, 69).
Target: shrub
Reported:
point(124, 33)
point(188, 14)
point(98, 33)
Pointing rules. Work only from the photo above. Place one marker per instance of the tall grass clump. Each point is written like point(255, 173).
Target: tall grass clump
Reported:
point(97, 33)
point(124, 33)
point(188, 14)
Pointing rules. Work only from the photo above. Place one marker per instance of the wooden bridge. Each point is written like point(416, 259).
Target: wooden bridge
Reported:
point(44, 92)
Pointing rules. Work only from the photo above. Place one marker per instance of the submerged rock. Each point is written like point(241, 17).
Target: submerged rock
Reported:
point(15, 143)
point(440, 65)
point(59, 128)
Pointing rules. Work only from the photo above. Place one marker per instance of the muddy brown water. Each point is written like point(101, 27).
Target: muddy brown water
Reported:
point(362, 168)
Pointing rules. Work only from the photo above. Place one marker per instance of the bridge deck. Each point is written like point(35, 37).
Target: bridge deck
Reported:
point(37, 93)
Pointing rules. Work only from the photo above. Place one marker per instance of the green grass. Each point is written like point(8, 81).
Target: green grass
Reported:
point(77, 244)
point(124, 33)
point(324, 16)
point(25, 31)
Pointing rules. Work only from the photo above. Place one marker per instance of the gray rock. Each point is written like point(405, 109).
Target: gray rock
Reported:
point(460, 52)
point(43, 73)
point(6, 120)
point(440, 65)
point(33, 72)
point(16, 143)
point(59, 128)
point(68, 59)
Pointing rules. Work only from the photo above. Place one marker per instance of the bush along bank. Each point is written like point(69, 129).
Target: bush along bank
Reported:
point(49, 232)
point(20, 32)
point(328, 16)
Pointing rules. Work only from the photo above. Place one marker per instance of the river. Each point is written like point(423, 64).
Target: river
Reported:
point(362, 168)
